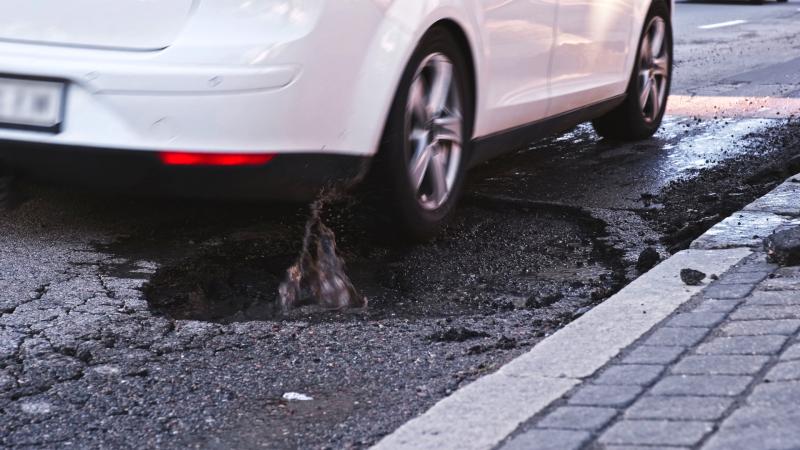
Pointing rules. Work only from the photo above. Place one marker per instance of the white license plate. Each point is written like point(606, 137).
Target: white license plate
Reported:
point(31, 103)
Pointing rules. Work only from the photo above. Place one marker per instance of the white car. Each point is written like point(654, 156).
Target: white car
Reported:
point(276, 98)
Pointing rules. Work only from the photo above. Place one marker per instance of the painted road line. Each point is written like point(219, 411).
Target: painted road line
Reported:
point(481, 414)
point(729, 23)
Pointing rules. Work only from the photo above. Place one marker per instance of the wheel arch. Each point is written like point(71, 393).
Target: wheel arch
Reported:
point(464, 43)
point(384, 69)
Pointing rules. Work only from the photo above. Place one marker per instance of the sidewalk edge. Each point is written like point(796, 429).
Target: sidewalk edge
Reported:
point(481, 414)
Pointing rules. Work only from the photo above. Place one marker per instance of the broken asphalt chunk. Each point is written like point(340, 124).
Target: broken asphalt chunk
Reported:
point(783, 247)
point(692, 277)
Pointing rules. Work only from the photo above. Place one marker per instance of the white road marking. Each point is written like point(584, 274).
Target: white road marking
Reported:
point(730, 23)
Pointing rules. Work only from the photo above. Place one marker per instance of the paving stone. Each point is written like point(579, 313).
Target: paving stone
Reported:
point(716, 306)
point(656, 432)
point(779, 298)
point(786, 327)
point(759, 428)
point(766, 312)
point(702, 385)
point(781, 200)
point(743, 345)
point(605, 395)
point(630, 374)
point(718, 291)
point(696, 319)
point(720, 365)
point(578, 418)
point(643, 447)
point(788, 272)
point(762, 417)
point(780, 284)
point(548, 440)
point(758, 264)
point(749, 277)
point(679, 408)
point(778, 394)
point(784, 371)
point(676, 337)
point(792, 352)
point(653, 355)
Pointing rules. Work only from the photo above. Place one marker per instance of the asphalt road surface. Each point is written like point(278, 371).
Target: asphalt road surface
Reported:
point(129, 322)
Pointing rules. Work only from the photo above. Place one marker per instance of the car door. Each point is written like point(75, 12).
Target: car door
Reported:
point(593, 41)
point(518, 36)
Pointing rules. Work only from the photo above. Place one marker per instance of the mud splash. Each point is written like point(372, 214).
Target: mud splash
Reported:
point(319, 276)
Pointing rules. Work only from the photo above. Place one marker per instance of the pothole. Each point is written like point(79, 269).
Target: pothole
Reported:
point(235, 282)
point(493, 258)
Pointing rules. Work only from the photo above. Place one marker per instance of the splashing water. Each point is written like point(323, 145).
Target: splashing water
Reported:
point(318, 276)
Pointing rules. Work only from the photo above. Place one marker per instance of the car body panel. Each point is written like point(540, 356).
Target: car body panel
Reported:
point(594, 39)
point(300, 76)
point(120, 24)
point(518, 37)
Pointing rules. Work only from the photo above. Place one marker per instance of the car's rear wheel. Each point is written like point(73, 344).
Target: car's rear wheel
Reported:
point(640, 115)
point(426, 143)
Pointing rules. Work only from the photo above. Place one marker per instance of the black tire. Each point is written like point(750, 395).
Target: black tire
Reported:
point(628, 121)
point(6, 191)
point(391, 175)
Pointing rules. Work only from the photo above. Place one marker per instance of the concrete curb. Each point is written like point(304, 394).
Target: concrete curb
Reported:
point(483, 413)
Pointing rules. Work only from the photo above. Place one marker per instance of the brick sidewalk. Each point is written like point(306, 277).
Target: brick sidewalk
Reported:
point(722, 373)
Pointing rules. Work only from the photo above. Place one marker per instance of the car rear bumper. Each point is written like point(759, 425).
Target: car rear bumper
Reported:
point(287, 177)
point(238, 78)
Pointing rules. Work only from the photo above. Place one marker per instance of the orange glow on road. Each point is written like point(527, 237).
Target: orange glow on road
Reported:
point(733, 107)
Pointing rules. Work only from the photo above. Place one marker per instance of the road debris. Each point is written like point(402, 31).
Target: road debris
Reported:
point(648, 259)
point(456, 334)
point(783, 247)
point(692, 277)
point(297, 397)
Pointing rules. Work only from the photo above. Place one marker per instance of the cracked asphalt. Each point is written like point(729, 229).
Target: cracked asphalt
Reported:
point(131, 322)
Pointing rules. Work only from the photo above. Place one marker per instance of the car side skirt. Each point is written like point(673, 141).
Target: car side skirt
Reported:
point(496, 144)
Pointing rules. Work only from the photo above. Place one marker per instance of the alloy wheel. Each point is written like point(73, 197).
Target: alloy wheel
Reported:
point(434, 126)
point(653, 69)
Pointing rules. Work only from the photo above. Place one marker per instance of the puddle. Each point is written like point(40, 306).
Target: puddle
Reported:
point(581, 168)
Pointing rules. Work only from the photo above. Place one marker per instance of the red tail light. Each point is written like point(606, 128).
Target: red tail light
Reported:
point(215, 159)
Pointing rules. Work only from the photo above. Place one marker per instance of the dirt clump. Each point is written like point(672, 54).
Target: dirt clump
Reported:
point(692, 277)
point(648, 259)
point(783, 247)
point(456, 334)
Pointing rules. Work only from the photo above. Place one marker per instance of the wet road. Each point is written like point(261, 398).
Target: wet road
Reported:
point(133, 323)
